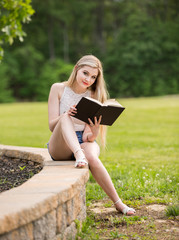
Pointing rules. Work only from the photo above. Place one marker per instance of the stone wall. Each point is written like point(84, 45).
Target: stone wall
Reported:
point(48, 205)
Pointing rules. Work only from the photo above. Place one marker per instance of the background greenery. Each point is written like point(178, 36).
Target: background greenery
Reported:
point(142, 150)
point(137, 41)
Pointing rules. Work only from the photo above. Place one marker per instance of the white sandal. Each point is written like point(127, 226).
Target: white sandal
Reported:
point(81, 160)
point(126, 209)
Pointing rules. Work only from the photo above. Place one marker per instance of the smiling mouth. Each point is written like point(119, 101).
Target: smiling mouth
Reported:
point(85, 83)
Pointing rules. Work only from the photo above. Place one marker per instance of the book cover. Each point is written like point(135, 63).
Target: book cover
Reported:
point(90, 108)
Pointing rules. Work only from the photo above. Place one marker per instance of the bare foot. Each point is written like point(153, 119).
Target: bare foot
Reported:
point(121, 207)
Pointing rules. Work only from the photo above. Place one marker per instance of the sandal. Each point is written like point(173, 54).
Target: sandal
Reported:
point(126, 210)
point(82, 160)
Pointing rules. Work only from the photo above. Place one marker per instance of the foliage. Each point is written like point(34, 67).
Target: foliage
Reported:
point(52, 71)
point(144, 57)
point(137, 41)
point(5, 92)
point(172, 210)
point(31, 78)
point(13, 13)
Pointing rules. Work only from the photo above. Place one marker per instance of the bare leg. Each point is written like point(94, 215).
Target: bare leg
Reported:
point(100, 173)
point(63, 141)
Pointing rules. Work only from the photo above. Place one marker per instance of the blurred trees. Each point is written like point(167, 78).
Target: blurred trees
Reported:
point(138, 42)
point(13, 13)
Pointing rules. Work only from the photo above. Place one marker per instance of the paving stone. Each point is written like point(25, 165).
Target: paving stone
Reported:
point(45, 206)
point(23, 233)
point(20, 209)
point(70, 232)
point(61, 218)
point(45, 227)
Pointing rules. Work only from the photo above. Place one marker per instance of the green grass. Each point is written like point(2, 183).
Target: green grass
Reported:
point(24, 124)
point(142, 154)
point(142, 146)
point(172, 211)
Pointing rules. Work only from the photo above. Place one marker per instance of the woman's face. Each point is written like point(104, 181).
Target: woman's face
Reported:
point(86, 76)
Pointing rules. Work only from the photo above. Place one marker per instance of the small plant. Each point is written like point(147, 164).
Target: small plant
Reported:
point(151, 225)
point(172, 210)
point(127, 220)
point(2, 181)
point(22, 168)
point(87, 229)
point(108, 204)
point(116, 234)
point(31, 174)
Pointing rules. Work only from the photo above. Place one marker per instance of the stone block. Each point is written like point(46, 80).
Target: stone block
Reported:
point(70, 232)
point(45, 227)
point(58, 237)
point(23, 233)
point(22, 155)
point(70, 211)
point(65, 195)
point(20, 209)
point(61, 218)
point(77, 205)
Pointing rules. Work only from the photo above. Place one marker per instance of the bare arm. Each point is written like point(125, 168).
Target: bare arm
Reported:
point(53, 104)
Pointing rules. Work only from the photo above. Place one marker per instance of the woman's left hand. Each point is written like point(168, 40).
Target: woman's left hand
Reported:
point(95, 126)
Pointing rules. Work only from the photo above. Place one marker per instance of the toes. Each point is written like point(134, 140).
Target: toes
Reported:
point(81, 165)
point(130, 213)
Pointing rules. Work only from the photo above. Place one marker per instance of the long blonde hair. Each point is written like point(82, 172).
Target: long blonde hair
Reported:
point(98, 88)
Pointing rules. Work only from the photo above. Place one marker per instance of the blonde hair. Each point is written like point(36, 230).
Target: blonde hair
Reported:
point(98, 88)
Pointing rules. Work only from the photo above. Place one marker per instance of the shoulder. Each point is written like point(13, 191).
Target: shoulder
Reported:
point(58, 88)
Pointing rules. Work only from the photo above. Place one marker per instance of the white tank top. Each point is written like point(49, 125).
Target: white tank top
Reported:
point(70, 98)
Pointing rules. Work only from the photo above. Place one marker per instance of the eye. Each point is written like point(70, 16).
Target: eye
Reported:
point(94, 77)
point(85, 73)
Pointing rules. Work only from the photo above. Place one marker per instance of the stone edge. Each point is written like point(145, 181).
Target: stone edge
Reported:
point(18, 219)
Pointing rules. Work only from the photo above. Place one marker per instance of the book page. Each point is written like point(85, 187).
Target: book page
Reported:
point(112, 102)
point(94, 100)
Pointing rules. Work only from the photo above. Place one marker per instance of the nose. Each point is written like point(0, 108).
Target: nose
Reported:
point(87, 78)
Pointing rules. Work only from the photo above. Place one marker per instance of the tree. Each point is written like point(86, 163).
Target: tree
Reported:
point(13, 14)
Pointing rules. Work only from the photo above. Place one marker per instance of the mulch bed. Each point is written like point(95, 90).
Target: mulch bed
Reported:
point(14, 172)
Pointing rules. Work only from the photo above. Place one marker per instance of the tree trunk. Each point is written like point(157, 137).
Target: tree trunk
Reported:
point(51, 39)
point(65, 43)
point(99, 28)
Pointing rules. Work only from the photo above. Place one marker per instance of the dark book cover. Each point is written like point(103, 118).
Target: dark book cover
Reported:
point(90, 108)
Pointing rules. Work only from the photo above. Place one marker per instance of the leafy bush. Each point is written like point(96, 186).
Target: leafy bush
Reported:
point(51, 72)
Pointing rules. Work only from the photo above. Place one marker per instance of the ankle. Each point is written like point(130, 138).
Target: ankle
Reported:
point(79, 154)
point(119, 205)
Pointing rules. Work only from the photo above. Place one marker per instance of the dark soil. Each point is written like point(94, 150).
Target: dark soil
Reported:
point(14, 172)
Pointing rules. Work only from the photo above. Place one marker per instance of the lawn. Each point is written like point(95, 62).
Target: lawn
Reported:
point(142, 153)
point(143, 149)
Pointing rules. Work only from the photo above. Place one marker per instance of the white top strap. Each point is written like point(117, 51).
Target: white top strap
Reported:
point(70, 98)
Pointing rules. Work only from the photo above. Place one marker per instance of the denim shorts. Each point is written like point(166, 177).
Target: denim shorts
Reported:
point(79, 135)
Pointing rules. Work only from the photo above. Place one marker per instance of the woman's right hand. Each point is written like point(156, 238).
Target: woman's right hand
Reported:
point(72, 111)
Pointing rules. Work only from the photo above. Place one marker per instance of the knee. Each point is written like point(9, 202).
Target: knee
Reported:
point(64, 119)
point(93, 160)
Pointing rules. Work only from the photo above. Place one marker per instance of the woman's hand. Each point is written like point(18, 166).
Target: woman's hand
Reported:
point(72, 111)
point(94, 126)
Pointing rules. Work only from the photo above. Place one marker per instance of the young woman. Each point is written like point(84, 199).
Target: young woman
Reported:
point(74, 139)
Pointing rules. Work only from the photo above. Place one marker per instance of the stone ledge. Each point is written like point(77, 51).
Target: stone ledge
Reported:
point(56, 193)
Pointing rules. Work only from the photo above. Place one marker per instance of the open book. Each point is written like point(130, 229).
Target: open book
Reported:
point(90, 108)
